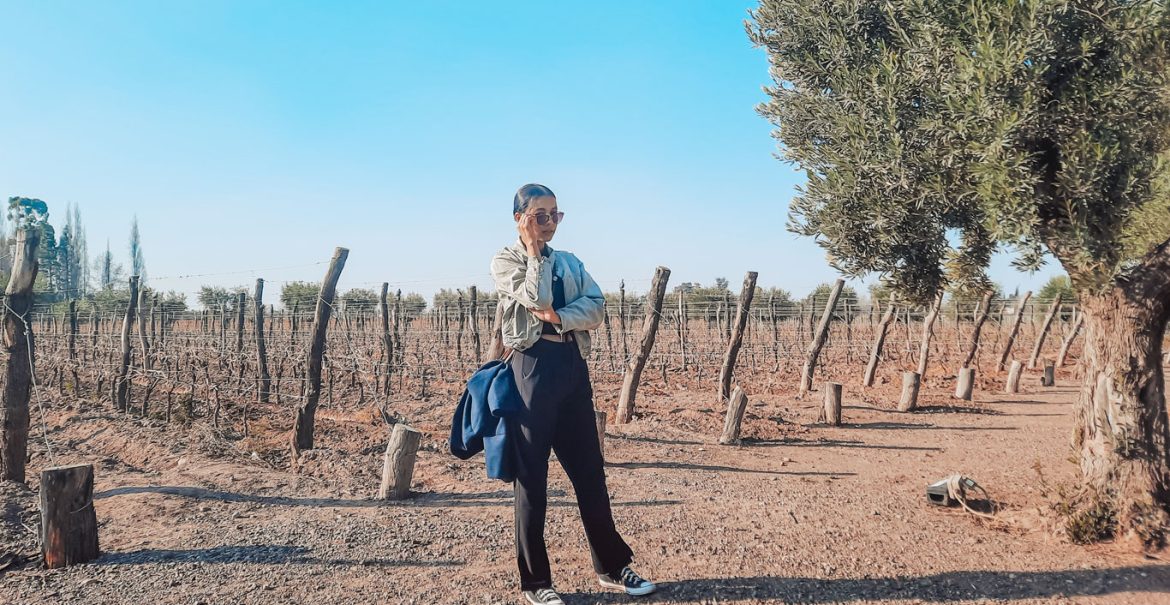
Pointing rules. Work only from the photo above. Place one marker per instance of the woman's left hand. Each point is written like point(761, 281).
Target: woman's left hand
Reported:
point(548, 315)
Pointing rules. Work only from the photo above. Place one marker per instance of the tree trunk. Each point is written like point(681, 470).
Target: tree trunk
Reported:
point(1121, 422)
point(261, 347)
point(1044, 332)
point(973, 344)
point(927, 334)
point(1011, 339)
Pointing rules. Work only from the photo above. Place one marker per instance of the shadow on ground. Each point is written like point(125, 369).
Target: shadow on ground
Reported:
point(941, 587)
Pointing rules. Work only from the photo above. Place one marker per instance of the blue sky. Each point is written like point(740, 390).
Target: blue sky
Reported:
point(250, 138)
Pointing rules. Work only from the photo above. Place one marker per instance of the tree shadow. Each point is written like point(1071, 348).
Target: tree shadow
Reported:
point(715, 468)
point(924, 427)
point(416, 499)
point(940, 587)
point(836, 443)
point(654, 440)
point(253, 554)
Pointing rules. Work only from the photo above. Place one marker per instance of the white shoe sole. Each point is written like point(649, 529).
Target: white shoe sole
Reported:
point(637, 592)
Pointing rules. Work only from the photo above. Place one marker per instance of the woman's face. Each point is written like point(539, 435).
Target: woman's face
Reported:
point(546, 205)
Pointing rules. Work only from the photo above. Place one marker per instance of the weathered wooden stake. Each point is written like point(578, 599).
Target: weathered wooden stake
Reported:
point(1013, 382)
point(121, 382)
point(1068, 340)
point(966, 384)
point(831, 411)
point(731, 423)
point(973, 343)
point(1049, 377)
point(814, 349)
point(1011, 339)
point(1044, 331)
point(876, 353)
point(910, 383)
point(398, 462)
point(741, 316)
point(633, 373)
point(927, 334)
point(19, 343)
point(302, 436)
point(261, 347)
point(599, 418)
point(69, 529)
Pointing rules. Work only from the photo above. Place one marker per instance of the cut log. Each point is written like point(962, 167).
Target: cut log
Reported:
point(910, 384)
point(966, 384)
point(1049, 377)
point(831, 411)
point(398, 463)
point(69, 529)
point(1013, 382)
point(735, 409)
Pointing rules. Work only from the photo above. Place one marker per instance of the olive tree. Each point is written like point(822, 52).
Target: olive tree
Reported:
point(933, 133)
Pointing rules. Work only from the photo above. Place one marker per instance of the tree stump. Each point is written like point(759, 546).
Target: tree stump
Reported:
point(599, 417)
point(69, 530)
point(910, 383)
point(735, 410)
point(1013, 382)
point(1049, 377)
point(966, 384)
point(398, 463)
point(831, 412)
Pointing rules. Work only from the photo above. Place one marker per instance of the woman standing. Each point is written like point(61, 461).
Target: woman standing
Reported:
point(550, 304)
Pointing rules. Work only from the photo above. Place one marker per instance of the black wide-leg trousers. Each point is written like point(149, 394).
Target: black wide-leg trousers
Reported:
point(553, 381)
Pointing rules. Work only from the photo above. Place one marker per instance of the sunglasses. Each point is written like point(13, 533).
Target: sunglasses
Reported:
point(543, 218)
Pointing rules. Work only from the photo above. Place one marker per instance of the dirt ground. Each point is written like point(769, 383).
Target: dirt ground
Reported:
point(799, 512)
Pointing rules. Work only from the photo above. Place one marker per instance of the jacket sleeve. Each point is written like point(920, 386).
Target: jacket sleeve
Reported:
point(527, 281)
point(588, 310)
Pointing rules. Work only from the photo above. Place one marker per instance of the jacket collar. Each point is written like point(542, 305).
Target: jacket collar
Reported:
point(523, 251)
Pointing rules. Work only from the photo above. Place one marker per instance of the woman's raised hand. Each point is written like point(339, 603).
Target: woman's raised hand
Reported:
point(530, 234)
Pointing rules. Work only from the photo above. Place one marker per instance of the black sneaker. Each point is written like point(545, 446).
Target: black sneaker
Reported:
point(629, 581)
point(543, 596)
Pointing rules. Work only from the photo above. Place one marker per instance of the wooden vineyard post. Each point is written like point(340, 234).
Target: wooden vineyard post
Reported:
point(731, 423)
point(741, 317)
point(261, 348)
point(927, 334)
point(69, 529)
point(973, 343)
point(599, 418)
point(966, 384)
point(302, 436)
point(818, 341)
point(122, 382)
point(910, 384)
point(473, 294)
point(1011, 339)
point(19, 344)
point(634, 366)
point(387, 344)
point(622, 327)
point(398, 462)
point(831, 410)
point(1068, 340)
point(496, 344)
point(71, 343)
point(1013, 382)
point(143, 337)
point(1049, 377)
point(878, 342)
point(1044, 331)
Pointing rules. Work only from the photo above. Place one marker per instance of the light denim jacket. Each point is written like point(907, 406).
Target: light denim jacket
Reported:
point(525, 283)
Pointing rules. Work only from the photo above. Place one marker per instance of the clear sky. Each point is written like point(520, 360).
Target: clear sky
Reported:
point(250, 138)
